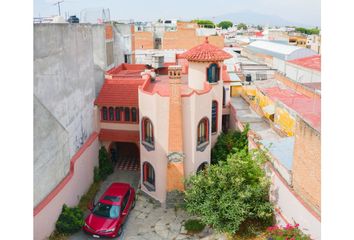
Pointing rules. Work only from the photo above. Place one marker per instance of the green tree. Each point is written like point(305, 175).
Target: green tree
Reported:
point(259, 27)
point(308, 31)
point(241, 26)
point(230, 142)
point(105, 166)
point(204, 23)
point(225, 24)
point(231, 194)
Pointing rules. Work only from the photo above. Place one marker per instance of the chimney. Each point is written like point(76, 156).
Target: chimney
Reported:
point(175, 167)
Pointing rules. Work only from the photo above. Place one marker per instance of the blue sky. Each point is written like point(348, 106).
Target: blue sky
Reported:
point(298, 11)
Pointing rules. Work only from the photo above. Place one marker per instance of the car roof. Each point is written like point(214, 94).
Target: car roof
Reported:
point(115, 190)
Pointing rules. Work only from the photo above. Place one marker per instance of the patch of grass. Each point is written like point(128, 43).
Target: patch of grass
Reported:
point(194, 226)
point(91, 193)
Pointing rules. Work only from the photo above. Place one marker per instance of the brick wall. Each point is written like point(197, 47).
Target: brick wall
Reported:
point(143, 40)
point(307, 164)
point(186, 38)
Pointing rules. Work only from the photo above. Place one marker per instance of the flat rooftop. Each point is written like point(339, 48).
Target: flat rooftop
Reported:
point(161, 86)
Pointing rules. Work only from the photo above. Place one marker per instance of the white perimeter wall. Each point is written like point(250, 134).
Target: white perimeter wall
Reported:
point(291, 207)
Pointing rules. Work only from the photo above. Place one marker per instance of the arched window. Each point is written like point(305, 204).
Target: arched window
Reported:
point(202, 167)
point(134, 118)
point(213, 73)
point(149, 176)
point(111, 113)
point(214, 117)
point(203, 131)
point(104, 113)
point(119, 111)
point(126, 114)
point(148, 131)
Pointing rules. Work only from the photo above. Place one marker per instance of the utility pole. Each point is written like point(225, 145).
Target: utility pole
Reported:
point(58, 3)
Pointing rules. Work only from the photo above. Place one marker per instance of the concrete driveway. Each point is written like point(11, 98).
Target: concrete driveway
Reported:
point(131, 177)
point(147, 221)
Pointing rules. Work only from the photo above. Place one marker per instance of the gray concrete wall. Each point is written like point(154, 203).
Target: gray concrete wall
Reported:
point(64, 92)
point(123, 40)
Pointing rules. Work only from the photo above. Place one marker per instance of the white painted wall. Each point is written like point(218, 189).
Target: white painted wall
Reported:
point(197, 74)
point(291, 208)
point(70, 194)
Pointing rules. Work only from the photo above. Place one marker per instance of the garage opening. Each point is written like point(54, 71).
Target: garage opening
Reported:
point(125, 156)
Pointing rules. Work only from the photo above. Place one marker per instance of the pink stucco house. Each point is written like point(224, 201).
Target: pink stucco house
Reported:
point(164, 121)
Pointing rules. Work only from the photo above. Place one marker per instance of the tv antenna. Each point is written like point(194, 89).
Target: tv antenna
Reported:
point(58, 3)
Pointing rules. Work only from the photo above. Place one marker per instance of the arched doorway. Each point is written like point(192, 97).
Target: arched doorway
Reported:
point(125, 156)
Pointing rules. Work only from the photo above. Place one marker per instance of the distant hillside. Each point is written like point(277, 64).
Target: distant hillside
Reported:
point(254, 18)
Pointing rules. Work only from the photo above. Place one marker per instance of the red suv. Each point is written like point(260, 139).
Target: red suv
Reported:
point(109, 214)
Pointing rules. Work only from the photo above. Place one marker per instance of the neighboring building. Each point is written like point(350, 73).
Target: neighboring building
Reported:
point(314, 43)
point(70, 61)
point(299, 41)
point(172, 115)
point(277, 50)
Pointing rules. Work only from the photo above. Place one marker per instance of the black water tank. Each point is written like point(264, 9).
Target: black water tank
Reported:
point(248, 78)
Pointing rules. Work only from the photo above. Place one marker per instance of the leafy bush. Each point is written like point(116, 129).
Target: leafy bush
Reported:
point(194, 226)
point(290, 232)
point(232, 192)
point(105, 165)
point(96, 175)
point(229, 143)
point(89, 196)
point(70, 220)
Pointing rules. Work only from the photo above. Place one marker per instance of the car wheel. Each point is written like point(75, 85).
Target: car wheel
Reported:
point(133, 205)
point(120, 231)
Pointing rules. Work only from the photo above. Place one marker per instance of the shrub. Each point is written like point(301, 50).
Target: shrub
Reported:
point(229, 143)
point(290, 232)
point(105, 165)
point(96, 175)
point(89, 196)
point(194, 226)
point(231, 193)
point(70, 220)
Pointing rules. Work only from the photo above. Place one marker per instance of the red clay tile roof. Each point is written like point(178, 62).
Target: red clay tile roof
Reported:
point(205, 53)
point(119, 93)
point(118, 135)
point(312, 62)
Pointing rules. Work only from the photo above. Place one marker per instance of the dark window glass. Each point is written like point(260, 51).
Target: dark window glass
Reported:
point(111, 114)
point(214, 116)
point(106, 210)
point(118, 113)
point(149, 174)
point(134, 118)
point(202, 131)
point(126, 114)
point(104, 113)
point(148, 131)
point(213, 73)
point(223, 96)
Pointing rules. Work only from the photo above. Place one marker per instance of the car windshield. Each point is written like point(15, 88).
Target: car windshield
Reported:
point(106, 210)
